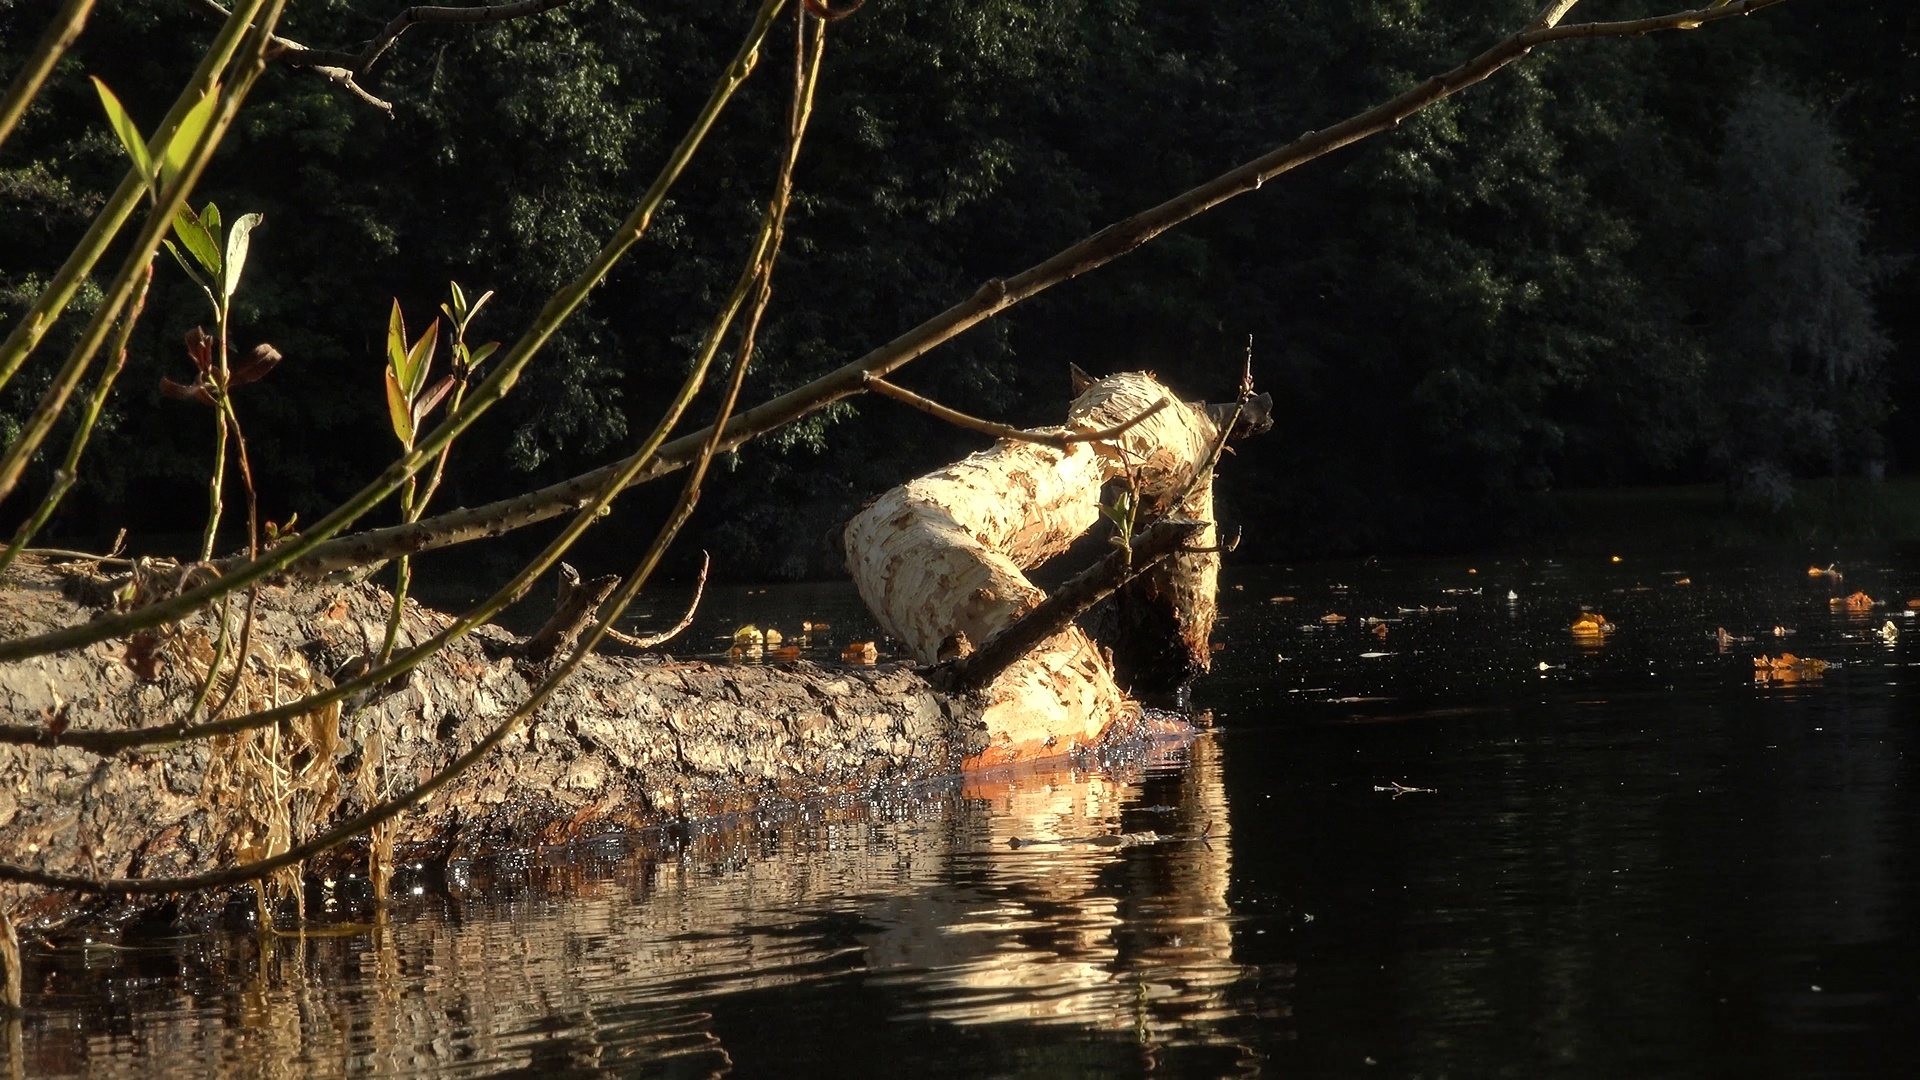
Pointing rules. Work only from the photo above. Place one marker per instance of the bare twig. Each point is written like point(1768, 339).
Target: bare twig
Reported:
point(992, 298)
point(1058, 440)
point(654, 641)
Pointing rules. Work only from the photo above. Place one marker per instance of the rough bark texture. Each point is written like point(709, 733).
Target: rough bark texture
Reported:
point(626, 742)
point(947, 553)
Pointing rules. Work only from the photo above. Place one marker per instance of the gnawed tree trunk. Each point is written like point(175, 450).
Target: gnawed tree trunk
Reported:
point(947, 554)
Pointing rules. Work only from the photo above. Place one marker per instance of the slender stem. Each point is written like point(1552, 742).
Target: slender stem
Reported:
point(33, 325)
point(215, 484)
point(1059, 440)
point(654, 641)
point(248, 65)
point(69, 471)
point(60, 34)
point(610, 611)
point(402, 577)
point(490, 391)
point(758, 264)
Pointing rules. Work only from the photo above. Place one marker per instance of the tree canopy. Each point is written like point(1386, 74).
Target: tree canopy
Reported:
point(1619, 262)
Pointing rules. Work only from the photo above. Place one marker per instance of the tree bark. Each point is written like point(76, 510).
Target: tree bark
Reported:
point(627, 742)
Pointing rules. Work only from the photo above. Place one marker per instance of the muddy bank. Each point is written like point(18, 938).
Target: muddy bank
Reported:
point(628, 741)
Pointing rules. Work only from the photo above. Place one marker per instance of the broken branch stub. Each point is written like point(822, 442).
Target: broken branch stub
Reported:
point(948, 553)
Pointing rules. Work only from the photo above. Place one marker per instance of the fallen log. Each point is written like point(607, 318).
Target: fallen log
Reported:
point(96, 779)
point(627, 742)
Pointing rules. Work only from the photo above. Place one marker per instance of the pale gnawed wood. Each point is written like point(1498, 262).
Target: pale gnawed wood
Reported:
point(948, 553)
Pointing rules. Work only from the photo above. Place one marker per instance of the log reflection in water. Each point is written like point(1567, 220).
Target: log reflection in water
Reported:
point(618, 960)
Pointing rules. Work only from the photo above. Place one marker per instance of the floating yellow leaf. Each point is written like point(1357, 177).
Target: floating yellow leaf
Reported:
point(748, 635)
point(1858, 601)
point(1591, 624)
point(1333, 617)
point(772, 638)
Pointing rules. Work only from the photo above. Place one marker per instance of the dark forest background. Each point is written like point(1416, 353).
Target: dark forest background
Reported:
point(1676, 259)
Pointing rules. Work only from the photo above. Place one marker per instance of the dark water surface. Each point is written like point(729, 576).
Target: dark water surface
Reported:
point(1635, 859)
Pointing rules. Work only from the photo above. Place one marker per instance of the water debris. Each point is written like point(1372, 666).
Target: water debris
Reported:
point(1333, 617)
point(1544, 666)
point(1425, 610)
point(1512, 596)
point(1615, 558)
point(1856, 601)
point(860, 652)
point(1781, 631)
point(1281, 599)
point(1787, 668)
point(772, 638)
point(1890, 633)
point(1461, 592)
point(1374, 655)
point(1103, 840)
point(1591, 625)
point(1831, 571)
point(1913, 604)
point(1379, 629)
point(1398, 789)
point(749, 635)
point(1683, 581)
point(1725, 639)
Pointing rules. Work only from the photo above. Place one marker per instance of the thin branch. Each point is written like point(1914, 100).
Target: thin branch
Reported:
point(609, 612)
point(246, 70)
point(59, 35)
point(992, 298)
point(53, 300)
point(506, 372)
point(752, 276)
point(1082, 591)
point(1057, 440)
point(69, 471)
point(654, 641)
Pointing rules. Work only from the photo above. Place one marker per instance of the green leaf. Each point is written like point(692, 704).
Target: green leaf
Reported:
point(420, 358)
point(238, 238)
point(399, 412)
point(210, 217)
point(136, 146)
point(397, 342)
point(193, 233)
point(479, 355)
point(174, 157)
point(459, 311)
point(185, 265)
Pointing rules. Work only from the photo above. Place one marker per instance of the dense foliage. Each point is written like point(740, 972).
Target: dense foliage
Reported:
point(1618, 262)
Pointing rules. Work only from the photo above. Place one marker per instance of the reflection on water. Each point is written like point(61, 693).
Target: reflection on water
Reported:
point(631, 962)
point(1621, 857)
